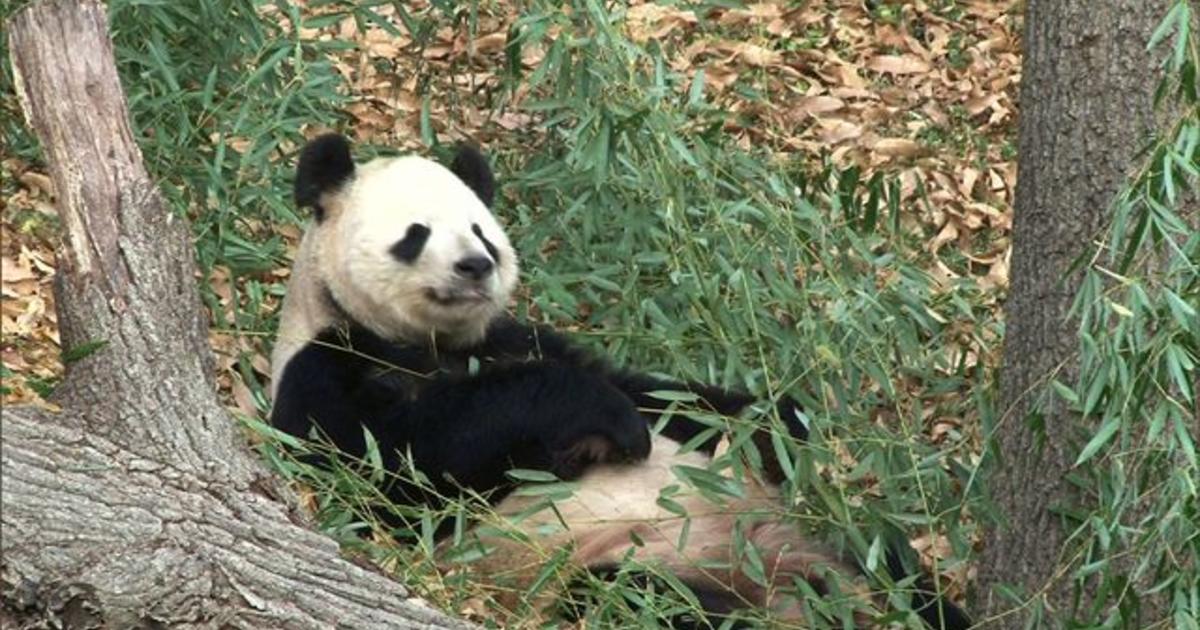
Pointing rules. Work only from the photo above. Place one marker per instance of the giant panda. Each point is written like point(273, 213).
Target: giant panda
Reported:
point(394, 321)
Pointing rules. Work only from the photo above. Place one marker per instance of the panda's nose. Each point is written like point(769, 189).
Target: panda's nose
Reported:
point(474, 267)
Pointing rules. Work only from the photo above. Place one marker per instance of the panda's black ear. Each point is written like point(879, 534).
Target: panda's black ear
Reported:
point(324, 164)
point(472, 168)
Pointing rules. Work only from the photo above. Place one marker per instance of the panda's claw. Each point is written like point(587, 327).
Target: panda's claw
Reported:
point(571, 462)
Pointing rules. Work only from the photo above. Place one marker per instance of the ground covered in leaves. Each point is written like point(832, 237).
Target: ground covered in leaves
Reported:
point(923, 91)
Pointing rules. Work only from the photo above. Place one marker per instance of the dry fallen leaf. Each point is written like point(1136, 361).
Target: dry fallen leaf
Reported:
point(12, 271)
point(948, 233)
point(489, 44)
point(969, 177)
point(976, 106)
point(719, 77)
point(819, 104)
point(750, 54)
point(834, 131)
point(998, 274)
point(757, 13)
point(242, 397)
point(897, 147)
point(38, 181)
point(898, 64)
point(848, 76)
point(656, 21)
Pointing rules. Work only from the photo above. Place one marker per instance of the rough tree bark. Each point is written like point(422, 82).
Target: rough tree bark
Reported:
point(1086, 108)
point(137, 503)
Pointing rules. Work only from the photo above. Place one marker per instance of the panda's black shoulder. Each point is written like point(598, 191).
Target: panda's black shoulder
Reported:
point(360, 344)
point(508, 337)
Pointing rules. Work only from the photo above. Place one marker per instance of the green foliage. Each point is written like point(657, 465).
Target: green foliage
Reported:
point(704, 261)
point(226, 81)
point(1136, 538)
point(18, 140)
point(219, 92)
point(640, 224)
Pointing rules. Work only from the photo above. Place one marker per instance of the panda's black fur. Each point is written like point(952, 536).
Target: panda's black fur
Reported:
point(533, 403)
point(470, 404)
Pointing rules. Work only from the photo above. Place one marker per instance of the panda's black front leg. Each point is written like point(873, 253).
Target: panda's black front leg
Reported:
point(540, 415)
point(512, 338)
point(681, 428)
point(319, 390)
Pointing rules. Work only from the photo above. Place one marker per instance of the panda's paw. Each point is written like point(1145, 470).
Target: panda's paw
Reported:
point(571, 462)
point(629, 434)
point(606, 430)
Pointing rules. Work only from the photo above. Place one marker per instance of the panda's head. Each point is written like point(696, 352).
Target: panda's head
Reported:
point(405, 246)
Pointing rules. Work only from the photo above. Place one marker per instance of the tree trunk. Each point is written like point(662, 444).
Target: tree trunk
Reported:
point(1086, 108)
point(137, 503)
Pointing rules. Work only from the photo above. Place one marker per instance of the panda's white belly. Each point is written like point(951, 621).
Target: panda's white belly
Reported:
point(616, 504)
point(616, 492)
point(614, 515)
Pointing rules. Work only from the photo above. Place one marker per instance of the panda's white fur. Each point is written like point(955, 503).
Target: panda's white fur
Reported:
point(615, 515)
point(344, 269)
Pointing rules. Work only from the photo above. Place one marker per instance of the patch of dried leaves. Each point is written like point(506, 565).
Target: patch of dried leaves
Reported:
point(29, 345)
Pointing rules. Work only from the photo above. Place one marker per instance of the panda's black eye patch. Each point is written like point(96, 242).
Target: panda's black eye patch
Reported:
point(491, 249)
point(407, 249)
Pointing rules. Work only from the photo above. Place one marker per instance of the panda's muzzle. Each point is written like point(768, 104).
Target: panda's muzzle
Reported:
point(474, 267)
point(457, 296)
point(470, 283)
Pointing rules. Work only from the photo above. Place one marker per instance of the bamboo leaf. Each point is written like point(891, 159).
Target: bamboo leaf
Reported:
point(1106, 432)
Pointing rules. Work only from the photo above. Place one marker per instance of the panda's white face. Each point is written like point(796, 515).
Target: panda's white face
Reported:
point(411, 252)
